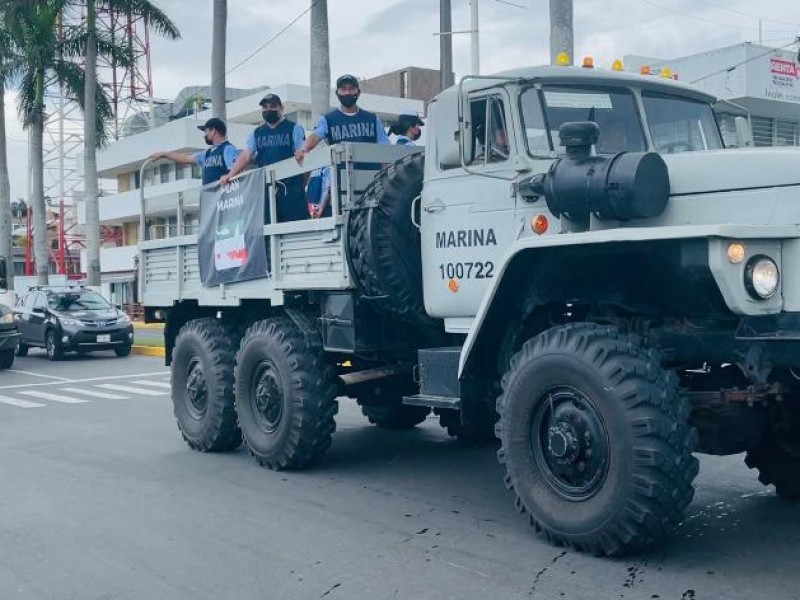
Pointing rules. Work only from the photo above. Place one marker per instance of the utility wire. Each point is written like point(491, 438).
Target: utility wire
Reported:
point(744, 62)
point(713, 22)
point(745, 14)
point(270, 40)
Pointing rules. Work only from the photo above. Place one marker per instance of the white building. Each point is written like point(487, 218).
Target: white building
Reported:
point(165, 181)
point(764, 81)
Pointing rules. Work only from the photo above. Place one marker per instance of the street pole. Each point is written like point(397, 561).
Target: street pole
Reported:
point(446, 44)
point(475, 35)
point(320, 61)
point(561, 34)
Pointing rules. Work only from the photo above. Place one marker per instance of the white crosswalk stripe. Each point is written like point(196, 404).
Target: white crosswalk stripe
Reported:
point(20, 403)
point(94, 394)
point(132, 390)
point(160, 384)
point(52, 397)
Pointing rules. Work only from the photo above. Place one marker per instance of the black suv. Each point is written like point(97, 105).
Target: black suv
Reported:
point(8, 337)
point(71, 319)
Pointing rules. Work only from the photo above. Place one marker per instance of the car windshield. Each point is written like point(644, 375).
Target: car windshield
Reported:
point(680, 124)
point(75, 301)
point(613, 109)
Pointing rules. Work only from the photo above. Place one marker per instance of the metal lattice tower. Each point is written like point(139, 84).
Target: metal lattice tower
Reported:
point(130, 91)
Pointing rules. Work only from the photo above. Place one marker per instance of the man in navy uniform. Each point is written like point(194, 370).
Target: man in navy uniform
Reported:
point(277, 139)
point(407, 130)
point(216, 161)
point(348, 123)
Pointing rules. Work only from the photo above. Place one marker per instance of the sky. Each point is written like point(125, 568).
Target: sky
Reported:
point(370, 37)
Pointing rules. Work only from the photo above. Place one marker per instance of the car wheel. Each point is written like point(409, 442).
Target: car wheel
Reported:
point(123, 351)
point(53, 346)
point(22, 349)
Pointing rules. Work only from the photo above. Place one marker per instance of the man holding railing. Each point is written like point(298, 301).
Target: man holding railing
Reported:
point(276, 140)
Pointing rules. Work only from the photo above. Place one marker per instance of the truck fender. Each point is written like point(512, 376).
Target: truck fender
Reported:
point(524, 248)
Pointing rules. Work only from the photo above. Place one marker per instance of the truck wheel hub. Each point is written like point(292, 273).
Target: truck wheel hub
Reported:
point(196, 389)
point(267, 397)
point(570, 443)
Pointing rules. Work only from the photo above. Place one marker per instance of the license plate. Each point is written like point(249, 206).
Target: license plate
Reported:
point(103, 338)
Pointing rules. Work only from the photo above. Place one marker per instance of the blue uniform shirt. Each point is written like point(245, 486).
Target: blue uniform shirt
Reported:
point(216, 161)
point(350, 128)
point(402, 140)
point(298, 137)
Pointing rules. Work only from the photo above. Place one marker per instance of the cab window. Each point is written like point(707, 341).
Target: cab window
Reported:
point(680, 124)
point(613, 109)
point(489, 131)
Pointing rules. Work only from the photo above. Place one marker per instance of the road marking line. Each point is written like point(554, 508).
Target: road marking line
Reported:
point(53, 397)
point(89, 380)
point(131, 390)
point(32, 374)
point(161, 384)
point(20, 403)
point(94, 393)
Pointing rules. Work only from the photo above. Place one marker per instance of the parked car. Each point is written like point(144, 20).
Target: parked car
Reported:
point(73, 319)
point(9, 337)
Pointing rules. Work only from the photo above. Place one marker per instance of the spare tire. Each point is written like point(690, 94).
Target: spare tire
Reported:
point(383, 245)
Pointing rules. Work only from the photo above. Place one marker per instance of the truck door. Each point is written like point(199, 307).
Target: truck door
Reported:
point(467, 217)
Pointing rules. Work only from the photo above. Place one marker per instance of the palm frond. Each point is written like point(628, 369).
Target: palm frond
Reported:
point(156, 17)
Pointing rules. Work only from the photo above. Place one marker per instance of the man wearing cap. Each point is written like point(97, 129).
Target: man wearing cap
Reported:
point(277, 139)
point(216, 161)
point(348, 123)
point(407, 130)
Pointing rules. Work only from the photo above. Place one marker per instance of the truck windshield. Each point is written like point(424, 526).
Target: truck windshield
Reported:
point(613, 109)
point(680, 124)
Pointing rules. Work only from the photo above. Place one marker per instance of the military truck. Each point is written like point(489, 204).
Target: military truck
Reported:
point(575, 265)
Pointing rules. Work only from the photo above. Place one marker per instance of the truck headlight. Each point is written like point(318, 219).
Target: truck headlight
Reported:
point(761, 277)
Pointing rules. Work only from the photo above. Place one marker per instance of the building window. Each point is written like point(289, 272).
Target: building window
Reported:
point(404, 84)
point(164, 171)
point(785, 133)
point(196, 172)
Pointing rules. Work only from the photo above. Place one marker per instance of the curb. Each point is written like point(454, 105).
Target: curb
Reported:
point(140, 325)
point(148, 351)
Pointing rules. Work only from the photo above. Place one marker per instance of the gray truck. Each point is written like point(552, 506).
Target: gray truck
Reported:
point(575, 265)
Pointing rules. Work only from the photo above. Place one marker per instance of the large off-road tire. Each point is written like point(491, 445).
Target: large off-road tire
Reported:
point(202, 385)
point(395, 416)
point(383, 246)
point(595, 439)
point(777, 465)
point(6, 359)
point(285, 396)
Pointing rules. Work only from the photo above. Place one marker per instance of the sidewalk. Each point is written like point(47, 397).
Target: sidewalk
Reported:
point(148, 339)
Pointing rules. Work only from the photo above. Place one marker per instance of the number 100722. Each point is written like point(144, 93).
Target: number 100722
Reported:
point(467, 270)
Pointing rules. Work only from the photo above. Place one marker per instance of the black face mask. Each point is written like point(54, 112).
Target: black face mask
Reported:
point(271, 116)
point(348, 101)
point(208, 141)
point(415, 136)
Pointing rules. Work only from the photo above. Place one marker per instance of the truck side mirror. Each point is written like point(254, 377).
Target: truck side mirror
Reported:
point(3, 274)
point(744, 135)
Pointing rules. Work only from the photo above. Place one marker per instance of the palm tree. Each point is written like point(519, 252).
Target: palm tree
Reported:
point(218, 41)
point(7, 66)
point(320, 60)
point(95, 41)
point(46, 53)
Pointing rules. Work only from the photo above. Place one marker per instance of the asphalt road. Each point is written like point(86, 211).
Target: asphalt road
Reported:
point(101, 499)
